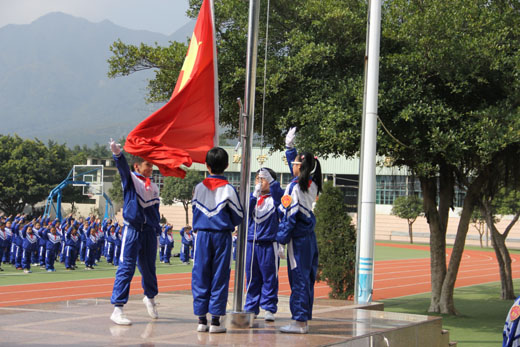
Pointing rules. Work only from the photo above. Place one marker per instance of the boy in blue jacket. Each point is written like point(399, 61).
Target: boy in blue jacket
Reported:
point(186, 244)
point(139, 244)
point(216, 212)
point(169, 242)
point(52, 245)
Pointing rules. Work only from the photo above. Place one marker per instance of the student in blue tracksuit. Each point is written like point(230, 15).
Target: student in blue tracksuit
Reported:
point(83, 237)
point(92, 246)
point(41, 246)
point(53, 244)
point(3, 242)
point(139, 244)
point(168, 245)
point(72, 243)
point(16, 255)
point(262, 255)
point(117, 245)
point(9, 240)
point(216, 212)
point(296, 229)
point(162, 243)
point(234, 241)
point(511, 332)
point(29, 245)
point(186, 244)
point(110, 238)
point(35, 256)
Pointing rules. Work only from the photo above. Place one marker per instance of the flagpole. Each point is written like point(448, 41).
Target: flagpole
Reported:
point(215, 73)
point(367, 178)
point(239, 318)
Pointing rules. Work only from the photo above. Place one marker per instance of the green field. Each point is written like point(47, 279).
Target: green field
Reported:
point(481, 313)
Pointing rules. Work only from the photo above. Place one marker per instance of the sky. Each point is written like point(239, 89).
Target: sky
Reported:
point(161, 16)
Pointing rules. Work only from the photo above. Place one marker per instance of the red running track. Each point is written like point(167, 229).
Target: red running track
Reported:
point(392, 278)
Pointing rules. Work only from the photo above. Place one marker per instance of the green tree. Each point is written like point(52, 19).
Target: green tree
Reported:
point(336, 237)
point(30, 171)
point(502, 201)
point(176, 189)
point(409, 208)
point(449, 94)
point(479, 223)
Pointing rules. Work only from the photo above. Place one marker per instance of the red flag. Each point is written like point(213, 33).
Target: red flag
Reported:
point(183, 130)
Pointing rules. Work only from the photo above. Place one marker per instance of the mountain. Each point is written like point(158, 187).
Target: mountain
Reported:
point(54, 84)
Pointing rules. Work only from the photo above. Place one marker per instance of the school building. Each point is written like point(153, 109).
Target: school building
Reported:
point(341, 171)
point(391, 182)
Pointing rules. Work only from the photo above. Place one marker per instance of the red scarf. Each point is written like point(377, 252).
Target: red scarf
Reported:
point(261, 199)
point(213, 183)
point(147, 181)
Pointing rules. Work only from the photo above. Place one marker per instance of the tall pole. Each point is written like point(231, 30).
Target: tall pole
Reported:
point(247, 140)
point(367, 179)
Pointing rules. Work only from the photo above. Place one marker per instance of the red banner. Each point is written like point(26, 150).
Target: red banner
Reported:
point(183, 130)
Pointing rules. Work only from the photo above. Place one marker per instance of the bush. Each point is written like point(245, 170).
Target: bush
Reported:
point(336, 238)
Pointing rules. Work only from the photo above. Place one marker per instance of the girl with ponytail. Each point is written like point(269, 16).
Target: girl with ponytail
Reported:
point(296, 229)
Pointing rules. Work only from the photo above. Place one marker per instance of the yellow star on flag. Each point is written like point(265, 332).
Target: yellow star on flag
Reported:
point(189, 62)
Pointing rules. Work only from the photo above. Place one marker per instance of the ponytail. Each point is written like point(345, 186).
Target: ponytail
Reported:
point(310, 168)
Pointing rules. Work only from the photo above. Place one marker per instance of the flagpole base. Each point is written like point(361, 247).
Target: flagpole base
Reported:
point(239, 320)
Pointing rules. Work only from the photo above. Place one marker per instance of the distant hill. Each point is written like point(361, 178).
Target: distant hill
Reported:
point(54, 84)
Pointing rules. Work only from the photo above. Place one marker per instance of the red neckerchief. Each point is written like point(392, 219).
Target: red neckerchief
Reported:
point(213, 183)
point(147, 181)
point(261, 199)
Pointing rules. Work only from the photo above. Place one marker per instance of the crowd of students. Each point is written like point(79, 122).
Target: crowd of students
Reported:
point(27, 242)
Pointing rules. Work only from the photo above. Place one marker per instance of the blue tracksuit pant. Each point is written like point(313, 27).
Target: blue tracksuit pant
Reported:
point(185, 253)
point(302, 254)
point(210, 274)
point(71, 254)
point(110, 252)
point(137, 247)
point(50, 258)
point(262, 281)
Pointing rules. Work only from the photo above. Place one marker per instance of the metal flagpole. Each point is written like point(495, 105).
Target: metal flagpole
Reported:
point(367, 179)
point(238, 317)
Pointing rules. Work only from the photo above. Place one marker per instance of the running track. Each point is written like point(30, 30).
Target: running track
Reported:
point(392, 278)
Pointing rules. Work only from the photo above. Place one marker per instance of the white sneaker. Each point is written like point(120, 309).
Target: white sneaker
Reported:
point(201, 328)
point(151, 307)
point(119, 317)
point(215, 329)
point(269, 316)
point(27, 271)
point(295, 328)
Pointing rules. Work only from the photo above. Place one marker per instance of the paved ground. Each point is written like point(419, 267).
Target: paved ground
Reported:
point(85, 322)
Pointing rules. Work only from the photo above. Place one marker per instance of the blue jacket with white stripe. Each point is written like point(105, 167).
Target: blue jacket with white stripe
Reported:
point(216, 206)
point(297, 217)
point(264, 216)
point(141, 206)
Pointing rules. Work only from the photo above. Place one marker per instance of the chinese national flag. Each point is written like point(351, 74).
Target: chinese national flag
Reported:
point(183, 130)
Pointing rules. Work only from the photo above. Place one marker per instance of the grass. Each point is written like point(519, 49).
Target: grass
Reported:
point(481, 313)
